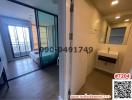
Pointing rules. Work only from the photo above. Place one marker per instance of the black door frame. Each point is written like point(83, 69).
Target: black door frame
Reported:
point(38, 34)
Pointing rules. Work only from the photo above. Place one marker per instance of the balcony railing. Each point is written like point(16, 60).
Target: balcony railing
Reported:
point(21, 48)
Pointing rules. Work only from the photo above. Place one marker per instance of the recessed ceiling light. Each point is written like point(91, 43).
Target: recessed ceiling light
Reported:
point(126, 20)
point(114, 2)
point(117, 17)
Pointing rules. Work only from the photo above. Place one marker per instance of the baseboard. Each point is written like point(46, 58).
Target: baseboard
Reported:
point(60, 98)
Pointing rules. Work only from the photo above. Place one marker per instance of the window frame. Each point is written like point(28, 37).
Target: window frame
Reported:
point(117, 36)
point(127, 25)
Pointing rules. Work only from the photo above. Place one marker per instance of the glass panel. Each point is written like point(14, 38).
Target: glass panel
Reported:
point(27, 39)
point(44, 38)
point(48, 37)
point(35, 37)
point(14, 40)
point(20, 40)
point(46, 23)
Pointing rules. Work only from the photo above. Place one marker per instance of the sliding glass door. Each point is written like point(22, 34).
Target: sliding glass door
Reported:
point(20, 40)
point(48, 37)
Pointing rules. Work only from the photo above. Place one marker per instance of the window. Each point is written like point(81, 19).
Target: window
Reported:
point(20, 40)
point(44, 40)
point(117, 35)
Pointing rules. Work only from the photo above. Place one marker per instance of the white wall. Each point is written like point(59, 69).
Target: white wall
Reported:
point(87, 23)
point(127, 63)
point(2, 53)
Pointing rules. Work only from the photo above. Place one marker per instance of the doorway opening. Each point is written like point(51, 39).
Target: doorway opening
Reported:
point(23, 39)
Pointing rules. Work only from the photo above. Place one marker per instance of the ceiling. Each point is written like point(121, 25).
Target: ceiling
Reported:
point(124, 9)
point(10, 9)
point(47, 5)
point(14, 10)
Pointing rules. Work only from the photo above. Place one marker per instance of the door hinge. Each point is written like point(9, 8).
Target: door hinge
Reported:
point(72, 7)
point(70, 36)
point(69, 94)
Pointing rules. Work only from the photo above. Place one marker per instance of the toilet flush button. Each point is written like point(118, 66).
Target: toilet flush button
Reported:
point(122, 76)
